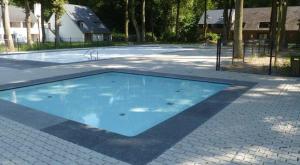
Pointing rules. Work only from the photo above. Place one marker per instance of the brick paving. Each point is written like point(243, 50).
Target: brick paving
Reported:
point(261, 127)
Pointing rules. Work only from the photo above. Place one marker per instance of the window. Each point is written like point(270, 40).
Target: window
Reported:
point(25, 25)
point(264, 25)
point(15, 24)
point(80, 24)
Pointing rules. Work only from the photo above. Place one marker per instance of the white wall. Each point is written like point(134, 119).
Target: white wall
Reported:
point(98, 37)
point(68, 29)
point(20, 33)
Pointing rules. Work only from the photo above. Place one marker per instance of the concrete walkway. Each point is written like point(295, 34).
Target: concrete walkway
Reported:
point(261, 127)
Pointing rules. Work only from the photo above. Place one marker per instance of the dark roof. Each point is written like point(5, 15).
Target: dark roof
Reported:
point(213, 17)
point(17, 14)
point(91, 22)
point(253, 17)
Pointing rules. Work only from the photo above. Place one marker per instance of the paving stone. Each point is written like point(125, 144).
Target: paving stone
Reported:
point(262, 126)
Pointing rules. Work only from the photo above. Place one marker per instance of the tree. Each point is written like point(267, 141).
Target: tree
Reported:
point(6, 25)
point(205, 19)
point(43, 7)
point(227, 17)
point(126, 21)
point(134, 22)
point(177, 18)
point(26, 4)
point(238, 29)
point(143, 35)
point(283, 42)
point(28, 22)
point(58, 10)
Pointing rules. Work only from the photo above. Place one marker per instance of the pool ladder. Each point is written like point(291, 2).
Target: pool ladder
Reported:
point(92, 54)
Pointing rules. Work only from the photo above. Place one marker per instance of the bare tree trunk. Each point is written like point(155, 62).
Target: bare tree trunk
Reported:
point(28, 23)
point(126, 21)
point(278, 31)
point(229, 34)
point(57, 25)
point(134, 22)
point(238, 29)
point(143, 20)
point(226, 22)
point(177, 19)
point(283, 41)
point(6, 25)
point(42, 22)
point(273, 27)
point(152, 21)
point(205, 20)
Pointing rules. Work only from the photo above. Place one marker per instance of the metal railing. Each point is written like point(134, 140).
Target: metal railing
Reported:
point(21, 45)
point(92, 54)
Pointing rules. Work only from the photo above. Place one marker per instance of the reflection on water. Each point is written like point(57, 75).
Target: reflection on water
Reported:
point(98, 100)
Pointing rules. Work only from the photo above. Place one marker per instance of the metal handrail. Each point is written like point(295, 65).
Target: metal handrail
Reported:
point(90, 53)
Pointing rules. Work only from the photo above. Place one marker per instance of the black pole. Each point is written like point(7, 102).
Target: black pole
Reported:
point(217, 59)
point(271, 56)
point(232, 53)
point(244, 51)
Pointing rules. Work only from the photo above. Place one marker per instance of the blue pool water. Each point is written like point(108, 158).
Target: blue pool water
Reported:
point(126, 104)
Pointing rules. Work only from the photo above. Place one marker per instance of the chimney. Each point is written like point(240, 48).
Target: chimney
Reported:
point(37, 9)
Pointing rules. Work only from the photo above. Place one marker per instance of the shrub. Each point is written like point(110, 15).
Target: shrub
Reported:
point(213, 37)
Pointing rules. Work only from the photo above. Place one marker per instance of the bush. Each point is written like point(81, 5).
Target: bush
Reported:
point(150, 38)
point(168, 36)
point(213, 37)
point(118, 36)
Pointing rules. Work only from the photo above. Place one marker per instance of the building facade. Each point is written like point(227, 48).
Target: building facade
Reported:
point(256, 23)
point(78, 24)
point(18, 24)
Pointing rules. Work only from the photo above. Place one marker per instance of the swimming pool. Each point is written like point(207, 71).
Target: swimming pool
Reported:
point(122, 103)
point(77, 55)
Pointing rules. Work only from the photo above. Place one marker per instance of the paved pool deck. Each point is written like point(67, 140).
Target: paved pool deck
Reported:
point(260, 127)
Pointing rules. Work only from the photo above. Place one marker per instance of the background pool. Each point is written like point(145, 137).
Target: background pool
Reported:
point(126, 104)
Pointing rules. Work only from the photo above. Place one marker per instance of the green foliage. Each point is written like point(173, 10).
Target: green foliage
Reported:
point(213, 36)
point(160, 14)
point(58, 7)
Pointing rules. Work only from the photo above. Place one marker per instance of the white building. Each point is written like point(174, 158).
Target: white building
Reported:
point(18, 24)
point(78, 24)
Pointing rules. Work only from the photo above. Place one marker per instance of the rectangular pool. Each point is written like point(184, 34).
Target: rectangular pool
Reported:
point(122, 103)
point(72, 56)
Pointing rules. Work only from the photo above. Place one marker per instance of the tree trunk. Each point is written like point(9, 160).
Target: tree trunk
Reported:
point(238, 29)
point(226, 22)
point(42, 22)
point(152, 21)
point(229, 34)
point(278, 31)
point(126, 21)
point(134, 22)
point(273, 26)
point(205, 20)
point(6, 25)
point(28, 23)
point(283, 41)
point(177, 19)
point(57, 25)
point(143, 20)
